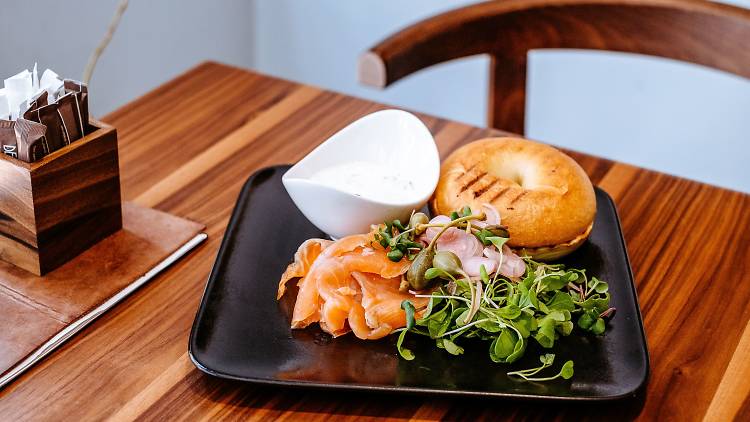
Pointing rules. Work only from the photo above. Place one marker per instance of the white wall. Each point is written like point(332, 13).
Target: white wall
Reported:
point(674, 117)
point(318, 42)
point(156, 41)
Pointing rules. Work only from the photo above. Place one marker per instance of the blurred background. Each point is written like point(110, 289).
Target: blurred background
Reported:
point(673, 117)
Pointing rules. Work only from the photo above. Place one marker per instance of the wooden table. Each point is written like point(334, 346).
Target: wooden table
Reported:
point(187, 148)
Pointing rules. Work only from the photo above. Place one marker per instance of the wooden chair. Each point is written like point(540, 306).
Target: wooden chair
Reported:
point(706, 33)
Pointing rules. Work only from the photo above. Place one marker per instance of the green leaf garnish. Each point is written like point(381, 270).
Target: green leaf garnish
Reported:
point(497, 241)
point(483, 274)
point(549, 302)
point(566, 372)
point(408, 308)
point(403, 351)
point(433, 273)
point(451, 347)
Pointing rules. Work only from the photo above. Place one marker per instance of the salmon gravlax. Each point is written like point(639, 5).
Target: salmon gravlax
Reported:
point(348, 285)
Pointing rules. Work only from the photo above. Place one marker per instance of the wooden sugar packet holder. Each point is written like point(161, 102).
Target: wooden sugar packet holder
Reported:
point(53, 209)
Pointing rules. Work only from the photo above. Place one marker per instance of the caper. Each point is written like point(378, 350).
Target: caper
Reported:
point(416, 219)
point(422, 263)
point(395, 255)
point(498, 230)
point(448, 262)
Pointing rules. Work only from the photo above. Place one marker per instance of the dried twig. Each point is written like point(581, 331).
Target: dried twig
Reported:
point(121, 6)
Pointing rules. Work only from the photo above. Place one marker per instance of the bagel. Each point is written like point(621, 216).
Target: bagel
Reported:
point(542, 195)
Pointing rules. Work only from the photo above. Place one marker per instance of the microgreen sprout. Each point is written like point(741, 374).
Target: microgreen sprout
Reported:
point(566, 372)
point(409, 310)
point(548, 302)
point(400, 241)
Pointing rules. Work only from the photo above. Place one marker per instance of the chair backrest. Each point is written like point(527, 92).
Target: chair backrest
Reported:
point(702, 32)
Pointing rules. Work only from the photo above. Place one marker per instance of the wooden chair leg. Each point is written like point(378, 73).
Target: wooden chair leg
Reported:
point(507, 94)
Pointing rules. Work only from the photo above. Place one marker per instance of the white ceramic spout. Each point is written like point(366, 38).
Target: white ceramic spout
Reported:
point(391, 141)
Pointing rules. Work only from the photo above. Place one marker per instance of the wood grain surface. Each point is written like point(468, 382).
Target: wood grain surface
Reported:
point(53, 209)
point(696, 31)
point(689, 245)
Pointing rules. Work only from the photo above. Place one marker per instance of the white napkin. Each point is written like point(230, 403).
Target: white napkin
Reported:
point(22, 88)
point(4, 107)
point(51, 83)
point(18, 89)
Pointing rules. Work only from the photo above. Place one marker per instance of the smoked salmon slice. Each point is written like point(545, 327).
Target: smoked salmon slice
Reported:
point(347, 285)
point(380, 310)
point(306, 254)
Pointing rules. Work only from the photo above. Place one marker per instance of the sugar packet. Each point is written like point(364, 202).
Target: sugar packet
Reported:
point(29, 105)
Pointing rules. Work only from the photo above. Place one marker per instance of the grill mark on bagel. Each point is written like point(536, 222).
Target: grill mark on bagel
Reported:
point(513, 201)
point(468, 170)
point(467, 185)
point(500, 193)
point(481, 191)
point(484, 179)
point(460, 175)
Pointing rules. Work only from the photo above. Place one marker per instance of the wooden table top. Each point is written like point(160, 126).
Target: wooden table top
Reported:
point(188, 147)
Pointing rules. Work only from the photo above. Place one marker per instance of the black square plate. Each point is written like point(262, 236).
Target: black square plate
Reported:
point(241, 332)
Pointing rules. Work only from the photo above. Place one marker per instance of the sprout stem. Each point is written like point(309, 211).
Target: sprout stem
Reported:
point(446, 297)
point(463, 327)
point(403, 233)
